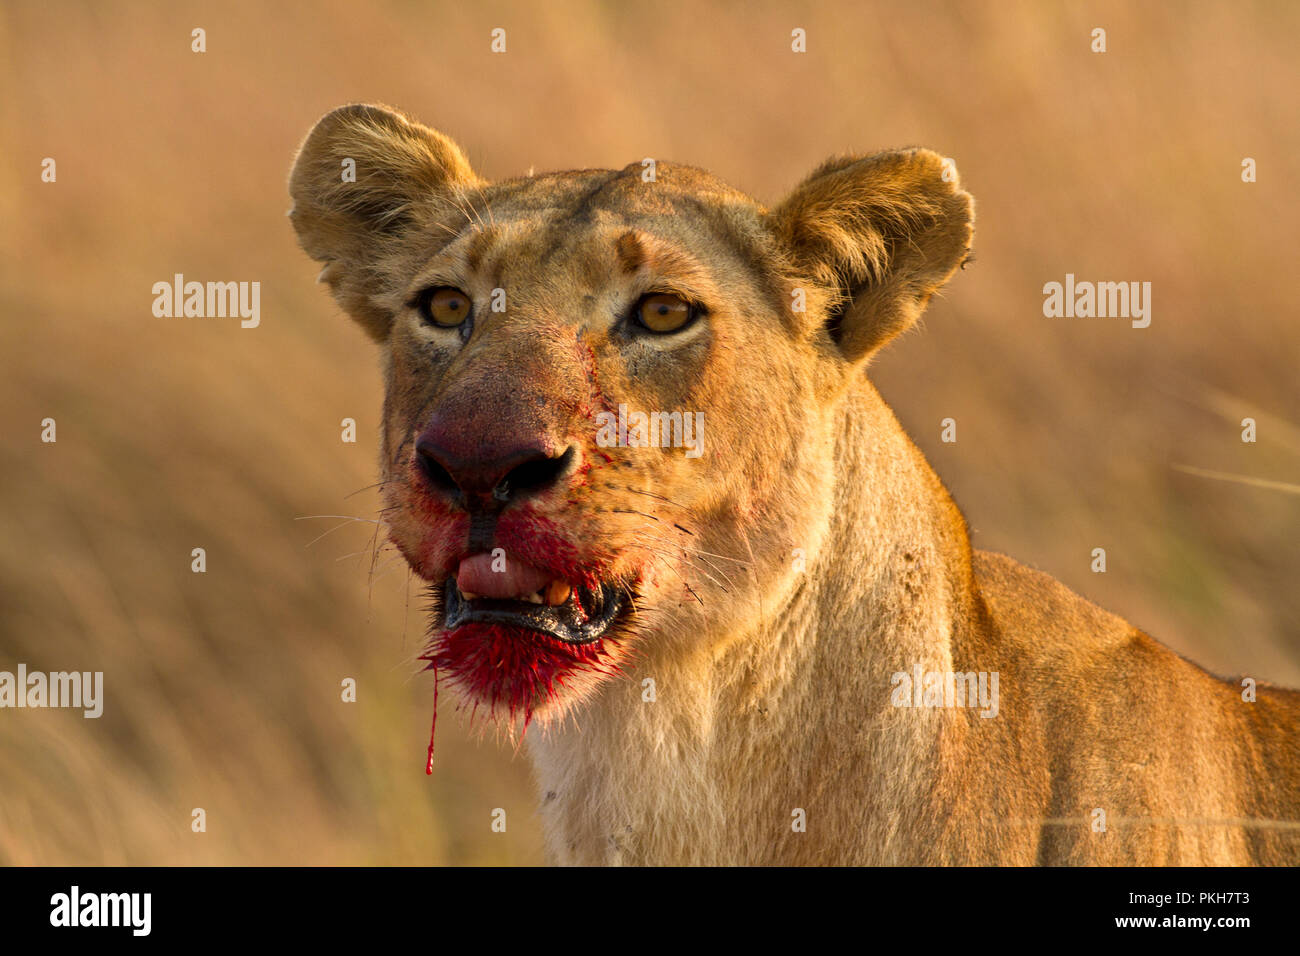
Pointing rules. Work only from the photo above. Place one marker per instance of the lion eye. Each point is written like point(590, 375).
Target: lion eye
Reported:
point(446, 307)
point(662, 312)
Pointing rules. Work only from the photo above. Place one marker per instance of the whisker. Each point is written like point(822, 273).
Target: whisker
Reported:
point(702, 555)
point(348, 517)
point(720, 557)
point(341, 524)
point(632, 511)
point(651, 494)
point(654, 550)
point(377, 484)
point(353, 554)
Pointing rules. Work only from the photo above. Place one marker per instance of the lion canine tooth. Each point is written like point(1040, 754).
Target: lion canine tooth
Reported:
point(557, 592)
point(468, 595)
point(534, 598)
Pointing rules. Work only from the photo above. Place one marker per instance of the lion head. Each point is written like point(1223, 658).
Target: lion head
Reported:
point(610, 394)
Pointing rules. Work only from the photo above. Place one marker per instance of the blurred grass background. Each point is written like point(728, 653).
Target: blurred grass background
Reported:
point(223, 689)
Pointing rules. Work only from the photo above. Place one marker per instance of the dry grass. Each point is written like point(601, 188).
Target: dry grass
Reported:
point(223, 688)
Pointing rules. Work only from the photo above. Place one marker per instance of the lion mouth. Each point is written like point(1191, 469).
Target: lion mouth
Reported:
point(528, 599)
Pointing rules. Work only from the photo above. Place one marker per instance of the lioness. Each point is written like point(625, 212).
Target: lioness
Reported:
point(767, 640)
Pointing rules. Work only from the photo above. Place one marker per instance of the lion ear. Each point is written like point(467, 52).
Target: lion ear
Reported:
point(365, 180)
point(880, 234)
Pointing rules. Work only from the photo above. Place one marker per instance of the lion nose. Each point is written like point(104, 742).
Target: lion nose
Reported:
point(492, 472)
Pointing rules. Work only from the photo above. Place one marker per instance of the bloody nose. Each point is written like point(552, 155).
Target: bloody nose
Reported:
point(490, 469)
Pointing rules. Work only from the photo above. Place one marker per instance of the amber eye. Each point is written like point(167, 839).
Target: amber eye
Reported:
point(446, 307)
point(662, 312)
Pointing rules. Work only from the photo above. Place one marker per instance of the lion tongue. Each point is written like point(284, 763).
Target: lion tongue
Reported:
point(515, 579)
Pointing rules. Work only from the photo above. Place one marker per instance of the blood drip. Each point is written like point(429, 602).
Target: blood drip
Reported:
point(433, 725)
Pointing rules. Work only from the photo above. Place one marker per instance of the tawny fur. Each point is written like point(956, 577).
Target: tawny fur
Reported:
point(773, 682)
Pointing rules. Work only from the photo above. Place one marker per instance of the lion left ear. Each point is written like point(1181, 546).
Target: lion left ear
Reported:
point(366, 179)
point(881, 234)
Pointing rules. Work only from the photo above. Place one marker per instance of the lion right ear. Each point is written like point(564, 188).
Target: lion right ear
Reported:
point(877, 236)
point(365, 180)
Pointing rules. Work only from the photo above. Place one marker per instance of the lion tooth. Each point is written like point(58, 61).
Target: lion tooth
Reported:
point(468, 595)
point(534, 598)
point(557, 592)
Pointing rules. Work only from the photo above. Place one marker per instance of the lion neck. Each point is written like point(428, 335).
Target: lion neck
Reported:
point(793, 714)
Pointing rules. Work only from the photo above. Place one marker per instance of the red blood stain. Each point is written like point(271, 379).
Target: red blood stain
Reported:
point(515, 671)
point(587, 358)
